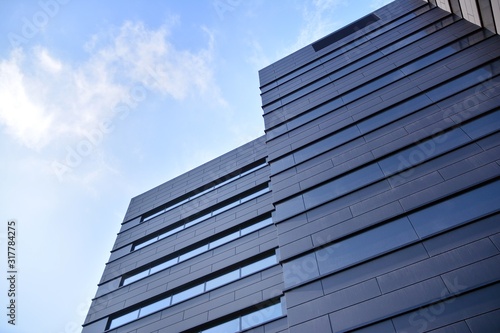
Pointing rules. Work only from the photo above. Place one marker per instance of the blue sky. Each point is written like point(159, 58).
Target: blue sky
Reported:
point(103, 100)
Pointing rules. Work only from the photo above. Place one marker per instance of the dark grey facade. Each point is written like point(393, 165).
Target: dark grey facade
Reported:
point(372, 204)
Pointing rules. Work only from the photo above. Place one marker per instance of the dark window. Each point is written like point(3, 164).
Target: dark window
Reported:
point(345, 31)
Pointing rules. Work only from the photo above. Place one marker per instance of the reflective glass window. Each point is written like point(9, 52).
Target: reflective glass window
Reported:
point(135, 277)
point(124, 319)
point(183, 295)
point(261, 316)
point(259, 265)
point(170, 232)
point(226, 207)
point(155, 307)
point(198, 220)
point(254, 195)
point(194, 291)
point(163, 266)
point(224, 240)
point(198, 194)
point(197, 251)
point(193, 253)
point(226, 278)
point(256, 226)
point(153, 215)
point(227, 327)
point(143, 244)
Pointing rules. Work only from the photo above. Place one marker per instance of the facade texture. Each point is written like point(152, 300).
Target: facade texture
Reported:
point(372, 203)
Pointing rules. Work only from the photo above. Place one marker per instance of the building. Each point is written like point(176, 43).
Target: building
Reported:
point(372, 203)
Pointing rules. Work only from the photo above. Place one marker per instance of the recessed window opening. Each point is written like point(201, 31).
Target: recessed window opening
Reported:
point(193, 291)
point(345, 31)
point(199, 250)
point(202, 218)
point(197, 193)
point(266, 312)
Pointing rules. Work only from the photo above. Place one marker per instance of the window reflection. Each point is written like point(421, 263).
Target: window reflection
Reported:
point(218, 242)
point(201, 218)
point(261, 316)
point(230, 326)
point(183, 295)
point(221, 280)
point(124, 319)
point(258, 266)
point(154, 307)
point(148, 217)
point(197, 290)
point(247, 321)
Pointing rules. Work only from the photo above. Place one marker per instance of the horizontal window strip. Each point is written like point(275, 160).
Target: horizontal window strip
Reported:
point(202, 218)
point(358, 61)
point(196, 290)
point(348, 95)
point(249, 320)
point(148, 216)
point(199, 250)
point(345, 31)
point(353, 45)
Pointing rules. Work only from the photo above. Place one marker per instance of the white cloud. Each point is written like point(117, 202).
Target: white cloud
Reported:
point(317, 22)
point(258, 58)
point(376, 4)
point(24, 118)
point(45, 100)
point(47, 62)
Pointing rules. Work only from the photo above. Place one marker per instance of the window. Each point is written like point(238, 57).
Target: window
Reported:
point(249, 320)
point(199, 219)
point(345, 31)
point(220, 241)
point(198, 193)
point(194, 291)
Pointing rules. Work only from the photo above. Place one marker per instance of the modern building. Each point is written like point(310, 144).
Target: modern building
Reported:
point(371, 204)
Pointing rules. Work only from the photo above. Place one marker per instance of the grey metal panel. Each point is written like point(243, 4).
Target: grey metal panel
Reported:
point(450, 310)
point(468, 276)
point(320, 324)
point(437, 265)
point(332, 302)
point(488, 322)
point(460, 327)
point(304, 294)
point(382, 327)
point(463, 235)
point(387, 305)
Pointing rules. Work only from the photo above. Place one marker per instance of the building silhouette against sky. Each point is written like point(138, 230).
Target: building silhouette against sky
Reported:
point(371, 204)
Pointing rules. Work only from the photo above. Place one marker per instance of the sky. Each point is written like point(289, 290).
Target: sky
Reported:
point(101, 101)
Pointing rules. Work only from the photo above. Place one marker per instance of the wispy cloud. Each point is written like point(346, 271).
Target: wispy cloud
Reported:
point(376, 4)
point(45, 101)
point(318, 22)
